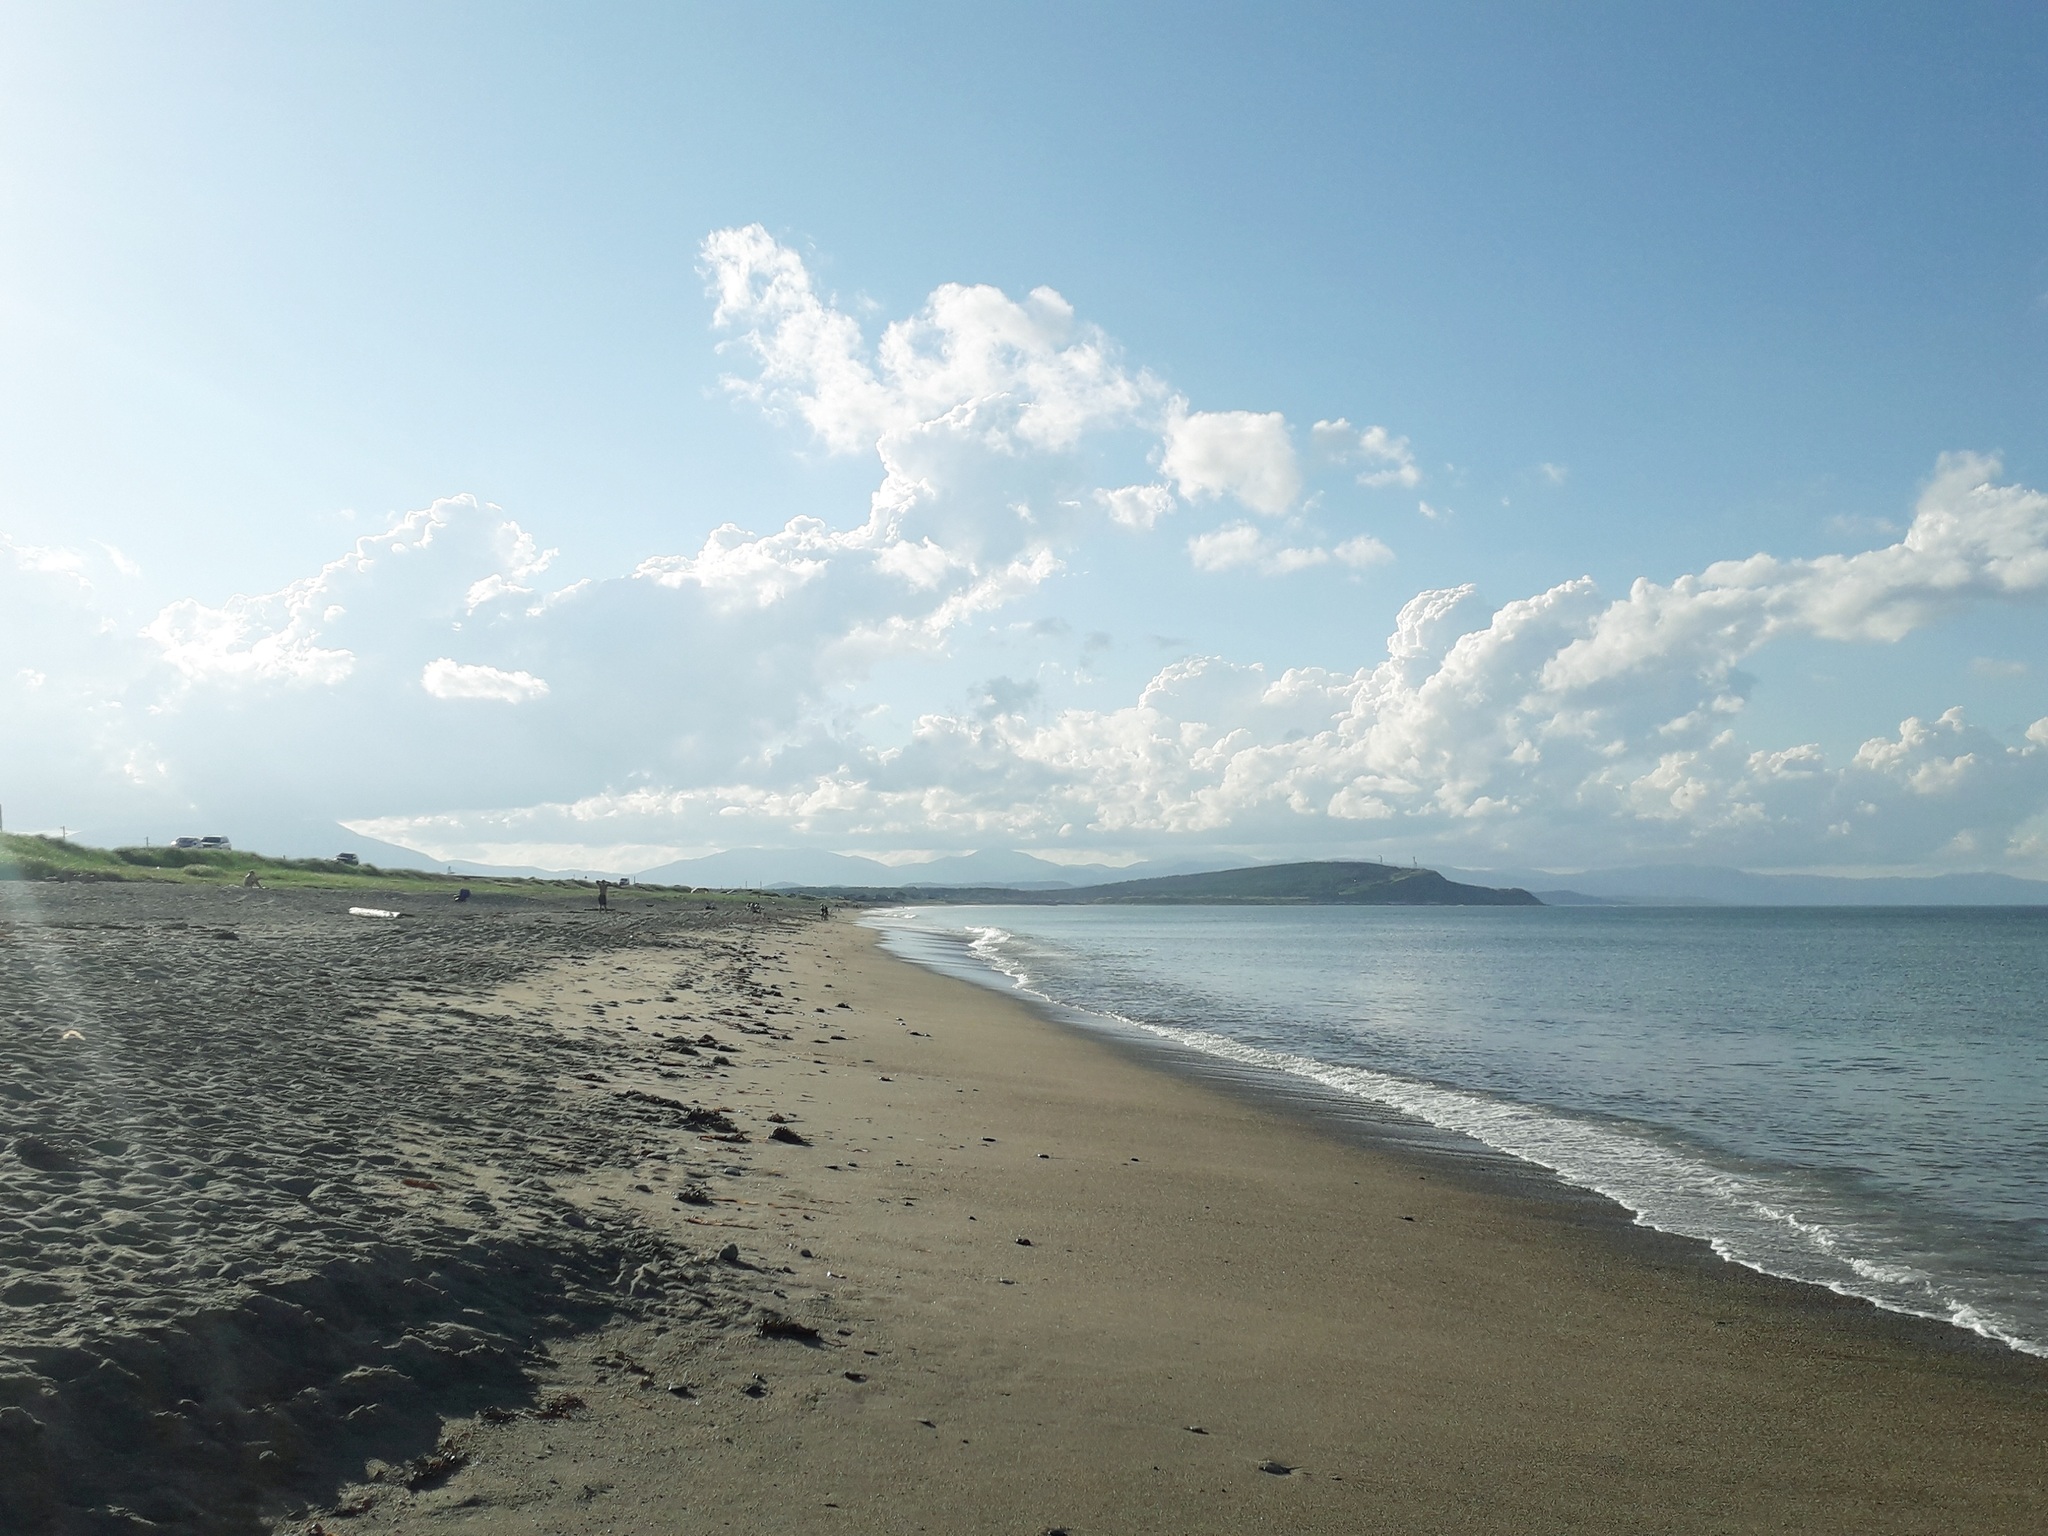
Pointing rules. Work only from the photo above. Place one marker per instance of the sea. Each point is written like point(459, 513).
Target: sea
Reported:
point(1855, 1098)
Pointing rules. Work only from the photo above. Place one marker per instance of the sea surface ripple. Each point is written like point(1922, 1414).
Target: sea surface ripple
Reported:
point(1855, 1098)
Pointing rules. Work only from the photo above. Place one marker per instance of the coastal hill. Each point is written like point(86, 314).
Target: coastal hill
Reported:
point(1321, 883)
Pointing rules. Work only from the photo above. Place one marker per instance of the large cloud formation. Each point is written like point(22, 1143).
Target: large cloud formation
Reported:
point(438, 685)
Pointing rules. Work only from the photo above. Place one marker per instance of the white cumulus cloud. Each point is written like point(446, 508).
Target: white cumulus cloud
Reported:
point(1136, 506)
point(1239, 546)
point(1243, 454)
point(1388, 459)
point(785, 676)
point(446, 678)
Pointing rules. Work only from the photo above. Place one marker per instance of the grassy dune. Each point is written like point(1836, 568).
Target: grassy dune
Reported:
point(48, 858)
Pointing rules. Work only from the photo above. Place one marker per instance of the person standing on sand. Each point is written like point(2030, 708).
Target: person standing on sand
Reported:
point(602, 904)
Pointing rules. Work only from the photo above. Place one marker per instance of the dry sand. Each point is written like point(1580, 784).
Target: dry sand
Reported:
point(1209, 1288)
point(1222, 1316)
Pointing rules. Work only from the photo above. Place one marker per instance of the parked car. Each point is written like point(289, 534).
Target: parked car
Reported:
point(346, 858)
point(210, 844)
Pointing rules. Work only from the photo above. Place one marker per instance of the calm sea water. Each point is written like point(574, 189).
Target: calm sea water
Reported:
point(1856, 1098)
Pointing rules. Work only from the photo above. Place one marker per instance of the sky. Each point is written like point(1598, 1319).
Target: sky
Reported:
point(1504, 436)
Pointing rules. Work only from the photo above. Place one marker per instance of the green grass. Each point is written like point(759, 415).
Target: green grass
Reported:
point(49, 858)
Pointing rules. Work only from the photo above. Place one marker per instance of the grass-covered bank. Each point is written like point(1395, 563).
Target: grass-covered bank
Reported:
point(49, 858)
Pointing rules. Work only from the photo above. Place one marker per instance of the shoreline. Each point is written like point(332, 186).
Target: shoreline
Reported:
point(1400, 1134)
point(1205, 1289)
point(531, 1219)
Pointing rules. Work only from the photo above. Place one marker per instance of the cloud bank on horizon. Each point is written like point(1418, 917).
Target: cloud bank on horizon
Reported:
point(438, 685)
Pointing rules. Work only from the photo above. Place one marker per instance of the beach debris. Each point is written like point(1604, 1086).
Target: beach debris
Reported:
point(694, 1194)
point(729, 1254)
point(777, 1325)
point(1023, 1242)
point(372, 912)
point(1276, 1468)
point(1196, 1429)
point(854, 1376)
point(681, 1389)
point(758, 1387)
point(788, 1137)
point(927, 1423)
point(714, 1122)
point(433, 1469)
point(560, 1406)
point(72, 1034)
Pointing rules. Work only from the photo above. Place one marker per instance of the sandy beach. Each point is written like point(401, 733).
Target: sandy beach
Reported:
point(665, 1221)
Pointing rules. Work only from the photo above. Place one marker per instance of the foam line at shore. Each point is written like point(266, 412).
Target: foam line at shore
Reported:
point(1764, 1221)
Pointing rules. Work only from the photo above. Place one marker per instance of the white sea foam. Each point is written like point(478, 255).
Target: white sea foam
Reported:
point(1769, 1222)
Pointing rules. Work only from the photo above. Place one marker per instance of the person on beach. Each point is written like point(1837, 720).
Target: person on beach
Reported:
point(250, 882)
point(603, 886)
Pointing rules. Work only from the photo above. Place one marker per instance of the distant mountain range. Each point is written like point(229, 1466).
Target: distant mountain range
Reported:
point(1321, 883)
point(768, 868)
point(1003, 869)
point(1708, 885)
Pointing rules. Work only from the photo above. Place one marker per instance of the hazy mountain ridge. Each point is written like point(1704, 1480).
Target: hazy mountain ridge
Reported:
point(1006, 869)
point(989, 867)
point(1690, 884)
point(1328, 882)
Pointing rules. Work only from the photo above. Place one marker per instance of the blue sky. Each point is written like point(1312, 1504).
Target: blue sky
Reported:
point(1626, 292)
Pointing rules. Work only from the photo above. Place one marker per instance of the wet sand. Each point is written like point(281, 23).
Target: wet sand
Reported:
point(1225, 1319)
point(1223, 1316)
